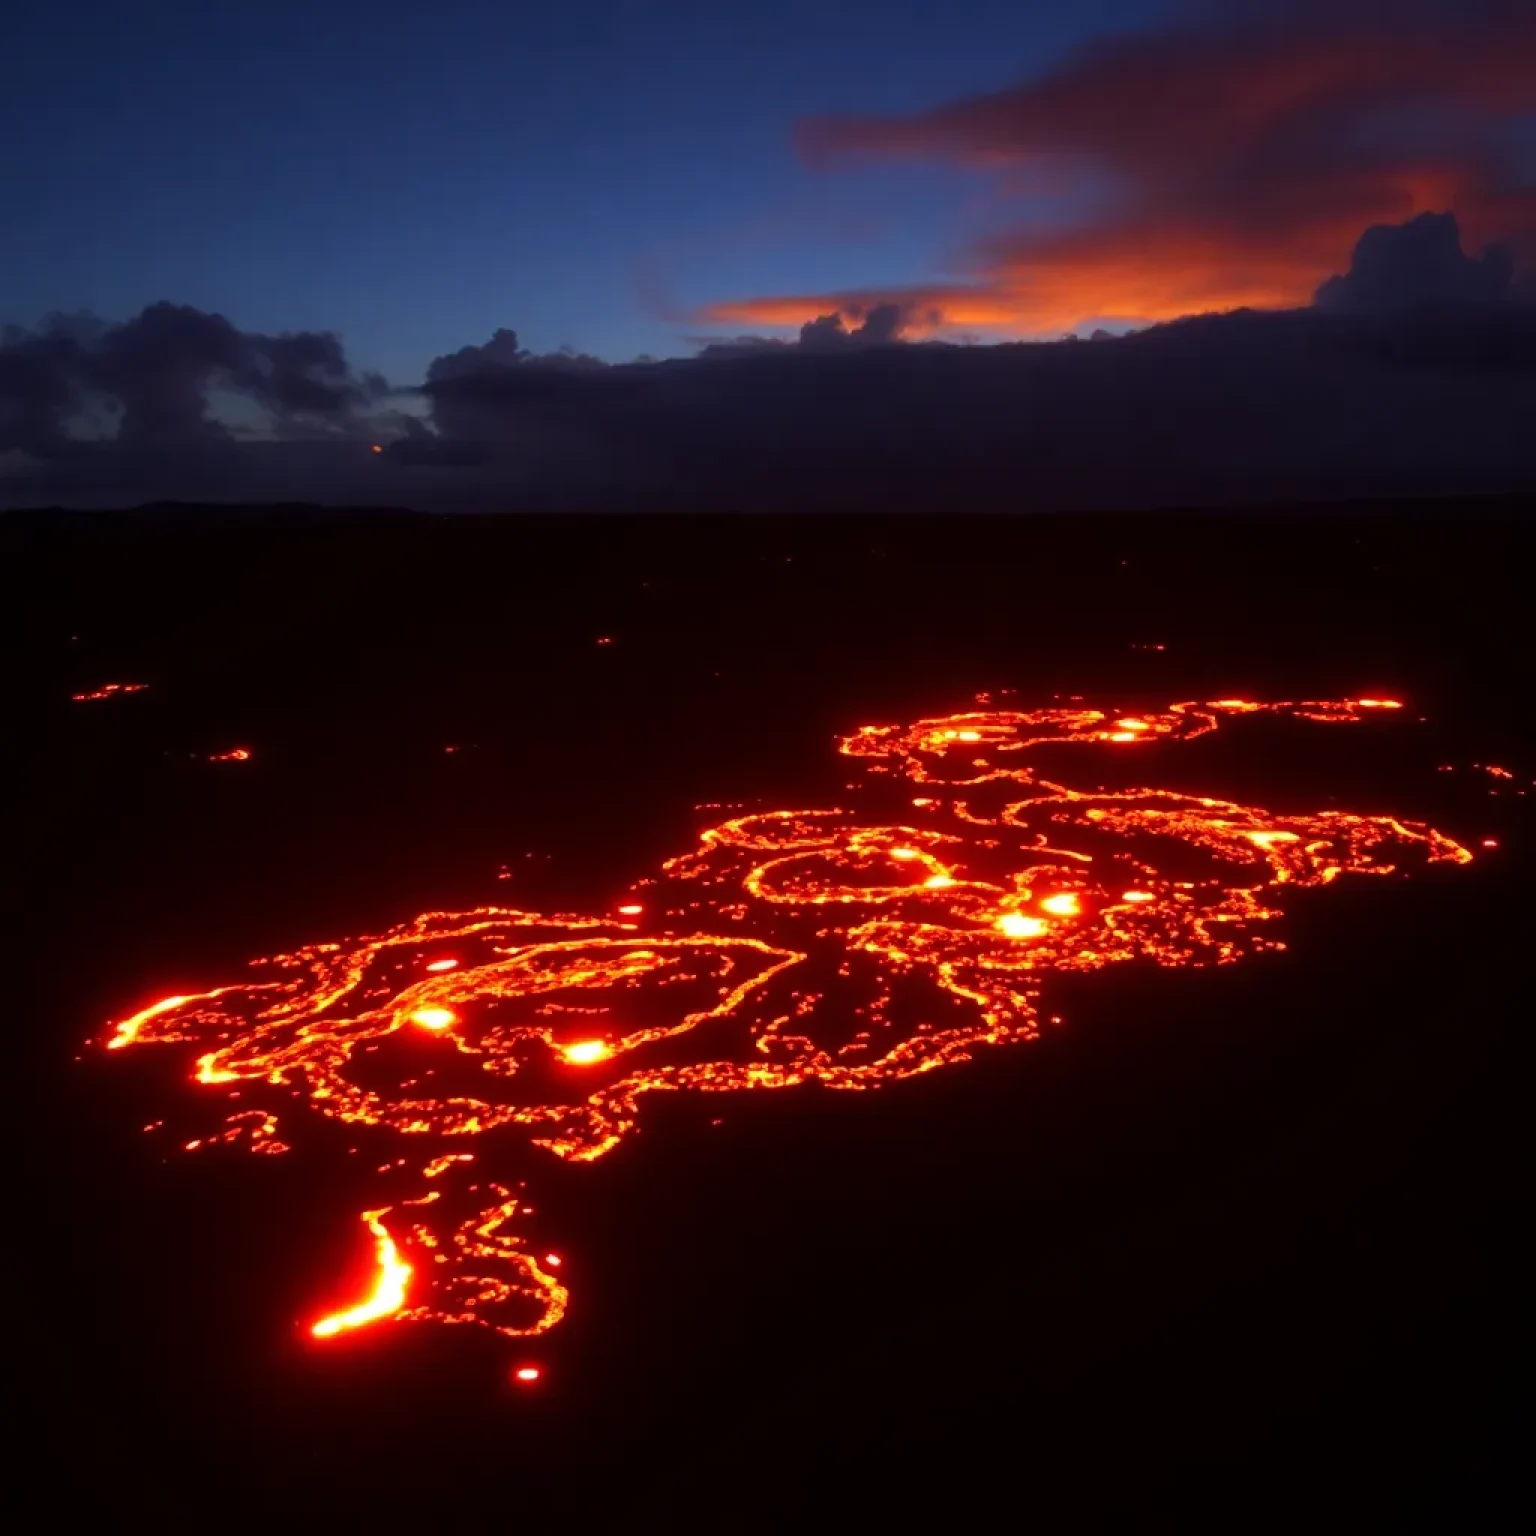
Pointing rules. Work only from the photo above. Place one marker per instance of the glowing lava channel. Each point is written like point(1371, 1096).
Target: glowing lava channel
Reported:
point(388, 1292)
point(719, 980)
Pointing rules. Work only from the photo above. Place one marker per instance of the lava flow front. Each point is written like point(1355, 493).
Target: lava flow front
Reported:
point(837, 946)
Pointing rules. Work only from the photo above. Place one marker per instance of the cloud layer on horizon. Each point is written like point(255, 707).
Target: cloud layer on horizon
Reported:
point(1235, 156)
point(1413, 373)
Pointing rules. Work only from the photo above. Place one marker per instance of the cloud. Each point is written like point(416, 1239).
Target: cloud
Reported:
point(153, 377)
point(1416, 298)
point(1414, 374)
point(1420, 262)
point(1235, 157)
point(40, 388)
point(1354, 397)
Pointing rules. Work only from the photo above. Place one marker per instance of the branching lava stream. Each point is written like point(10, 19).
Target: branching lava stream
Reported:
point(789, 947)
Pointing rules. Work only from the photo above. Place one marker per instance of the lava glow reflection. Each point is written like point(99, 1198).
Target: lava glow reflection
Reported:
point(833, 946)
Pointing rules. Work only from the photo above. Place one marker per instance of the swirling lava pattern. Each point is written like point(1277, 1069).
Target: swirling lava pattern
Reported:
point(789, 947)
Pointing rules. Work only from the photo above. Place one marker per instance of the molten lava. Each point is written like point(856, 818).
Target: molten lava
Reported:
point(107, 691)
point(828, 946)
point(388, 1292)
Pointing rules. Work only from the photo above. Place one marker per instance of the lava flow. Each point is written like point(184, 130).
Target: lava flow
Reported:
point(846, 948)
point(107, 691)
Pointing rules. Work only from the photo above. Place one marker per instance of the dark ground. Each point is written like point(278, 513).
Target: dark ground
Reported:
point(1230, 1246)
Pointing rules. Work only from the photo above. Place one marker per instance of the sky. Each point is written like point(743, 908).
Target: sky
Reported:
point(592, 173)
point(240, 246)
point(621, 177)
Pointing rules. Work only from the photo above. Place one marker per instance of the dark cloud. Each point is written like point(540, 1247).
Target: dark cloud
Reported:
point(882, 325)
point(159, 366)
point(878, 325)
point(40, 387)
point(303, 378)
point(1415, 298)
point(501, 351)
point(1402, 267)
point(475, 390)
point(152, 377)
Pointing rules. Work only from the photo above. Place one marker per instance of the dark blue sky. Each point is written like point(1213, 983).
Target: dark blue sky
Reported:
point(414, 176)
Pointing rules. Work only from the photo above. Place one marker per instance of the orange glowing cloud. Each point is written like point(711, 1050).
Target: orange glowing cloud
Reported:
point(1237, 162)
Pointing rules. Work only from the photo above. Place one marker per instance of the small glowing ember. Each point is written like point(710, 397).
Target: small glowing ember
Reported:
point(733, 993)
point(527, 1373)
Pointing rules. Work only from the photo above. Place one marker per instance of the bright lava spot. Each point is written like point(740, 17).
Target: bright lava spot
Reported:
point(388, 1291)
point(1019, 926)
point(1490, 842)
point(527, 1373)
point(235, 755)
point(1378, 703)
point(1269, 839)
point(784, 954)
